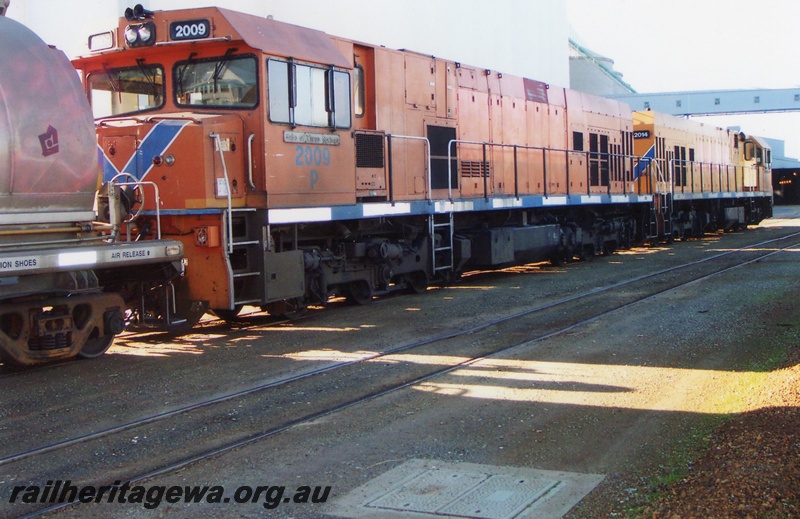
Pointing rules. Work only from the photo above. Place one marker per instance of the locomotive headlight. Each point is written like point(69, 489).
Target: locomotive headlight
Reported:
point(141, 34)
point(131, 35)
point(145, 34)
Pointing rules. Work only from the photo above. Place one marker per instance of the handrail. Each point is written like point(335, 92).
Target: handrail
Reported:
point(216, 137)
point(147, 119)
point(391, 136)
point(588, 155)
point(137, 183)
point(739, 171)
point(250, 161)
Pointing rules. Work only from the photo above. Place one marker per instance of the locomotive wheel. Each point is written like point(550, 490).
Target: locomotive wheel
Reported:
point(189, 314)
point(289, 309)
point(228, 315)
point(416, 282)
point(358, 293)
point(96, 345)
point(558, 259)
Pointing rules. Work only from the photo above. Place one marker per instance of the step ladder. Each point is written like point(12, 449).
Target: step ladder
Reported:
point(661, 216)
point(441, 225)
point(246, 255)
point(661, 208)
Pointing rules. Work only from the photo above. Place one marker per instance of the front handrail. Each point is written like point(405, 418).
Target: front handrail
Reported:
point(229, 238)
point(134, 182)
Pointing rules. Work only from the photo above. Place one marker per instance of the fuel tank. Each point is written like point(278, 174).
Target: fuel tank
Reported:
point(48, 160)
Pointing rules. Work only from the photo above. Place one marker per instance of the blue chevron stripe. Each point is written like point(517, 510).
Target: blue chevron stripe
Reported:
point(644, 162)
point(108, 169)
point(156, 142)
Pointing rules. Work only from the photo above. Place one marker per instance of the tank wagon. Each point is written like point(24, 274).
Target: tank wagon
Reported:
point(294, 165)
point(66, 279)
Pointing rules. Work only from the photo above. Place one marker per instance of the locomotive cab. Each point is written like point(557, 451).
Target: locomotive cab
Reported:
point(227, 115)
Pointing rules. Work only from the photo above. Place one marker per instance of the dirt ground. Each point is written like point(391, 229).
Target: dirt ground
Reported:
point(750, 467)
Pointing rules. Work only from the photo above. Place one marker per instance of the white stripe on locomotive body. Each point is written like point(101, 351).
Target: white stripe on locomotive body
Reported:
point(386, 209)
point(425, 207)
point(300, 215)
point(500, 203)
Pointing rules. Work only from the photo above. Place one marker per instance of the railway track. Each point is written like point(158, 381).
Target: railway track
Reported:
point(154, 444)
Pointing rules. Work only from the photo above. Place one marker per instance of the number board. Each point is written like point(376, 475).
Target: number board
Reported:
point(190, 30)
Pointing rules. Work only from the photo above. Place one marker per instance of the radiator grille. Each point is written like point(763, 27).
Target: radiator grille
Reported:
point(369, 150)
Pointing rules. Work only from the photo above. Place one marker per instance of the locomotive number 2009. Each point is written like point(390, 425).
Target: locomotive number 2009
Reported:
point(312, 156)
point(307, 156)
point(190, 29)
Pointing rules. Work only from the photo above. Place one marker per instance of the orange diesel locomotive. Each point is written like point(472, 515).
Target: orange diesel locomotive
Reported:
point(294, 165)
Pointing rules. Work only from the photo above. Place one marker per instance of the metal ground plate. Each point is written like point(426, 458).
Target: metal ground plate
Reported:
point(432, 489)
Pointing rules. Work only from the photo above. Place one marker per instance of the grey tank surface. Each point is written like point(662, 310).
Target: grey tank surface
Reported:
point(48, 173)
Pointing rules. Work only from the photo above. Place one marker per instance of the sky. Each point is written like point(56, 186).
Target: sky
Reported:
point(658, 45)
point(687, 45)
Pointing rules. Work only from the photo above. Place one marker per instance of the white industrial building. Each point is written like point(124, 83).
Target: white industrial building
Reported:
point(495, 35)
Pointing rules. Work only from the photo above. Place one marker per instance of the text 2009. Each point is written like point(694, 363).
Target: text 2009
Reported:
point(312, 156)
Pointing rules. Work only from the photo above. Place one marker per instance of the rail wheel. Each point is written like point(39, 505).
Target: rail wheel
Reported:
point(289, 309)
point(358, 293)
point(226, 314)
point(96, 345)
point(187, 316)
point(416, 282)
point(587, 253)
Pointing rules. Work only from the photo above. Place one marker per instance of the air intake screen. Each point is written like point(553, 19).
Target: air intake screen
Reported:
point(369, 150)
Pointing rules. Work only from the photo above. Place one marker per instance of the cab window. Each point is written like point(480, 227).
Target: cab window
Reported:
point(307, 95)
point(749, 150)
point(359, 91)
point(117, 91)
point(223, 82)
